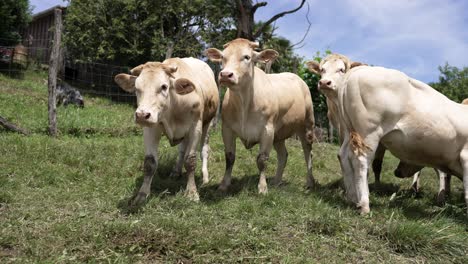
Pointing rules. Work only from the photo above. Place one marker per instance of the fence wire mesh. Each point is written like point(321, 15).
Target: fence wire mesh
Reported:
point(88, 77)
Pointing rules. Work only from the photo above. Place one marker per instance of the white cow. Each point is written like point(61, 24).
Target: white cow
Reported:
point(387, 106)
point(262, 108)
point(177, 98)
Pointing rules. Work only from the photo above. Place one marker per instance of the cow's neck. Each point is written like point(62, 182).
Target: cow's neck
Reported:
point(245, 95)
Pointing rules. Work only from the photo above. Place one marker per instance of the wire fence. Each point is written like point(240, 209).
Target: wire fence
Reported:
point(88, 77)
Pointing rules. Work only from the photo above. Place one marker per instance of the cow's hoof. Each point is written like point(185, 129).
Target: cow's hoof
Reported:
point(139, 200)
point(262, 189)
point(192, 196)
point(364, 210)
point(276, 182)
point(441, 198)
point(223, 188)
point(175, 174)
point(205, 181)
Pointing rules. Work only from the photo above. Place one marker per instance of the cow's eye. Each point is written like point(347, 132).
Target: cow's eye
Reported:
point(322, 70)
point(164, 87)
point(247, 57)
point(342, 70)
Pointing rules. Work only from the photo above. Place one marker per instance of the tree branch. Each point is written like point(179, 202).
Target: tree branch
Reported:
point(257, 5)
point(274, 18)
point(307, 32)
point(12, 127)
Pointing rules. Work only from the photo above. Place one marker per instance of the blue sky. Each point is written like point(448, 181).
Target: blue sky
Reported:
point(414, 36)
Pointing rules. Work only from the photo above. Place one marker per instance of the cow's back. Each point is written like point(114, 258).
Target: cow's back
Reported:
point(202, 75)
point(294, 103)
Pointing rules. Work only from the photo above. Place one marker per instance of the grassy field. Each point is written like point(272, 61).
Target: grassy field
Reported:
point(65, 200)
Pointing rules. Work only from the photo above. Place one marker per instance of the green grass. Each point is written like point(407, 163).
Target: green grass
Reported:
point(65, 200)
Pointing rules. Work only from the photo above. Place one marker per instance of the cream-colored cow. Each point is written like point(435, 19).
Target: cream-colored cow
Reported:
point(384, 105)
point(331, 94)
point(262, 108)
point(177, 98)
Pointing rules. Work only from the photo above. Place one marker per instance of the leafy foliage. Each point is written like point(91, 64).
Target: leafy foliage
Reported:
point(133, 32)
point(453, 82)
point(14, 17)
point(319, 100)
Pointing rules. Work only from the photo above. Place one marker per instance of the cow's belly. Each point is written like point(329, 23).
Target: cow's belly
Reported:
point(175, 133)
point(249, 132)
point(421, 143)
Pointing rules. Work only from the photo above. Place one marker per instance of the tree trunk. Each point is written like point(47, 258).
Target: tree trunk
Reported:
point(169, 50)
point(53, 68)
point(245, 19)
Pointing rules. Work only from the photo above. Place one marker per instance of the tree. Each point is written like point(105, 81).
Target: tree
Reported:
point(245, 12)
point(453, 82)
point(14, 16)
point(131, 32)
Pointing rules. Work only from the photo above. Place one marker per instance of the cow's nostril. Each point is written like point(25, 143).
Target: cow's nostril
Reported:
point(147, 115)
point(230, 74)
point(329, 83)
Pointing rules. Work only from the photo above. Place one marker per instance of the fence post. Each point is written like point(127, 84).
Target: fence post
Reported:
point(53, 67)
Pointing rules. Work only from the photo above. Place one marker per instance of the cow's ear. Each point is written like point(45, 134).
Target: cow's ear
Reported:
point(184, 86)
point(356, 63)
point(215, 55)
point(137, 70)
point(126, 82)
point(265, 56)
point(169, 69)
point(313, 67)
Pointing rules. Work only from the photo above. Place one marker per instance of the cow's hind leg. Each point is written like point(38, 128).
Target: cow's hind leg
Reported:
point(307, 150)
point(415, 184)
point(177, 170)
point(282, 155)
point(205, 149)
point(190, 162)
point(377, 162)
point(464, 163)
point(266, 142)
point(229, 140)
point(444, 186)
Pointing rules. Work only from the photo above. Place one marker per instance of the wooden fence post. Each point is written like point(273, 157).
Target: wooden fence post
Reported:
point(53, 68)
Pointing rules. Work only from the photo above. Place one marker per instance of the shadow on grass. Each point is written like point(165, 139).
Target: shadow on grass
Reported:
point(212, 195)
point(164, 186)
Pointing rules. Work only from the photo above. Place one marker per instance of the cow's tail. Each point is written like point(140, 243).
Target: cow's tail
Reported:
point(356, 142)
point(358, 146)
point(309, 125)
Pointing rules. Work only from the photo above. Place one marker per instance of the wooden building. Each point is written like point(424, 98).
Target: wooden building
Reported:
point(38, 36)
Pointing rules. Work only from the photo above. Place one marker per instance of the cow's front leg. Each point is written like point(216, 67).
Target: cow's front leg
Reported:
point(361, 154)
point(151, 137)
point(266, 143)
point(347, 171)
point(190, 162)
point(229, 140)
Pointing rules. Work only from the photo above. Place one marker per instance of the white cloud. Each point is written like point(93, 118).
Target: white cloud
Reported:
point(414, 36)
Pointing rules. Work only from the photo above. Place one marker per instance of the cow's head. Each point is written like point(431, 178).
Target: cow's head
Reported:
point(154, 84)
point(405, 170)
point(238, 60)
point(332, 70)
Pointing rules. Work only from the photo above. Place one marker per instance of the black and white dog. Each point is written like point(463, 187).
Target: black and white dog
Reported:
point(67, 95)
